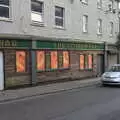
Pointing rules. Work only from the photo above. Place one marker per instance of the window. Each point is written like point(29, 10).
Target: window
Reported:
point(111, 28)
point(86, 62)
point(90, 61)
point(111, 5)
point(66, 59)
point(99, 3)
point(54, 60)
point(59, 17)
point(85, 1)
point(82, 62)
point(40, 60)
point(99, 30)
point(20, 61)
point(4, 8)
point(37, 11)
point(85, 23)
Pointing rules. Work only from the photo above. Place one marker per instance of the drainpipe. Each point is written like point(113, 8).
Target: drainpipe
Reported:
point(33, 63)
point(105, 57)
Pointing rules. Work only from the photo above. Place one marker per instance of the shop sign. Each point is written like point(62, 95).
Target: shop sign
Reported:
point(15, 44)
point(8, 43)
point(69, 45)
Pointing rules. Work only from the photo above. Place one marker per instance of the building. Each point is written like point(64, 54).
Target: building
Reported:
point(52, 40)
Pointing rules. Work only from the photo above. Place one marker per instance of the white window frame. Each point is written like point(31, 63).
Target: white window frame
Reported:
point(99, 26)
point(63, 18)
point(85, 23)
point(10, 12)
point(38, 13)
point(112, 5)
point(111, 28)
point(99, 4)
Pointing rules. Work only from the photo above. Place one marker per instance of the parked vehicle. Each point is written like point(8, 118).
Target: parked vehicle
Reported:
point(112, 76)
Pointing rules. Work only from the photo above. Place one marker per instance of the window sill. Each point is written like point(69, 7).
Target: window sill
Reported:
point(6, 19)
point(111, 35)
point(38, 24)
point(85, 3)
point(84, 70)
point(85, 32)
point(99, 34)
point(60, 28)
point(99, 8)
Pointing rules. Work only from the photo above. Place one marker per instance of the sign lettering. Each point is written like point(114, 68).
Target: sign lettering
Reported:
point(7, 43)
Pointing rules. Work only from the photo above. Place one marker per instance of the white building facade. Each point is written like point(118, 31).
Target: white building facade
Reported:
point(76, 39)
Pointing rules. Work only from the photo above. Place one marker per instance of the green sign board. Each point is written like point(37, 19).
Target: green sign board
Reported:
point(69, 45)
point(15, 43)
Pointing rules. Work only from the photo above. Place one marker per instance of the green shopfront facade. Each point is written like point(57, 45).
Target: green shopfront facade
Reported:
point(28, 62)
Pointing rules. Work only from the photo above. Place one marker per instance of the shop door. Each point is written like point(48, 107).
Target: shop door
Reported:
point(100, 65)
point(1, 72)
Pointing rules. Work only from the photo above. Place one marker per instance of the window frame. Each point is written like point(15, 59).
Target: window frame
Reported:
point(99, 4)
point(99, 26)
point(61, 18)
point(10, 12)
point(111, 28)
point(38, 13)
point(85, 24)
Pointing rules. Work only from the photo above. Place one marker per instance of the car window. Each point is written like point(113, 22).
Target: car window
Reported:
point(114, 69)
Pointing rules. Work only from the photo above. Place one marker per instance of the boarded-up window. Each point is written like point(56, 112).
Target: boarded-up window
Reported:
point(82, 62)
point(90, 61)
point(40, 60)
point(54, 60)
point(20, 61)
point(66, 59)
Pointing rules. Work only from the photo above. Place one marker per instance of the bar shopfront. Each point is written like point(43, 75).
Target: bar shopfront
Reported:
point(53, 61)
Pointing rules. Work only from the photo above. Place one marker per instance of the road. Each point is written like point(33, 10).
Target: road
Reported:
point(90, 103)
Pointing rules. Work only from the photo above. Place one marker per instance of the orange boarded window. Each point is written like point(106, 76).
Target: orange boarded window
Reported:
point(90, 61)
point(20, 61)
point(82, 62)
point(66, 59)
point(54, 60)
point(40, 60)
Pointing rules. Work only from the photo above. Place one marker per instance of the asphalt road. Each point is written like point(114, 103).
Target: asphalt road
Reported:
point(91, 103)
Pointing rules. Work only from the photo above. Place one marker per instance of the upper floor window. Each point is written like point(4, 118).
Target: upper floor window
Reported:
point(85, 23)
point(85, 1)
point(111, 3)
point(111, 28)
point(37, 11)
point(99, 30)
point(59, 16)
point(99, 3)
point(4, 8)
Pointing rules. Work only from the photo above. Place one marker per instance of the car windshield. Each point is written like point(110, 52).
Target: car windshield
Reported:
point(114, 69)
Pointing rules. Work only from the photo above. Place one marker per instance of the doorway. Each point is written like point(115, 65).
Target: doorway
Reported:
point(100, 64)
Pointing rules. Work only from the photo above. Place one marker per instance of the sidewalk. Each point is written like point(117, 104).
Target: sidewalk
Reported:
point(10, 95)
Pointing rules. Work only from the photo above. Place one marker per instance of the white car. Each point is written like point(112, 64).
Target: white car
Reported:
point(112, 76)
